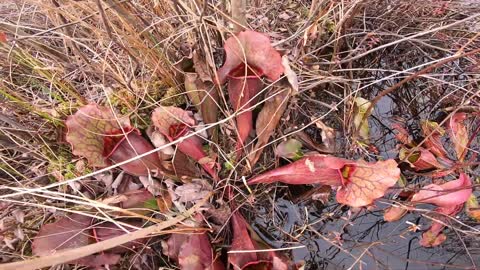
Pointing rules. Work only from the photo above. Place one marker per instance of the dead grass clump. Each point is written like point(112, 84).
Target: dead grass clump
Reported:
point(414, 60)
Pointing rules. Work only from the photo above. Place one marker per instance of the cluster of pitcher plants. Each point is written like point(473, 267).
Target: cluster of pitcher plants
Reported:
point(104, 137)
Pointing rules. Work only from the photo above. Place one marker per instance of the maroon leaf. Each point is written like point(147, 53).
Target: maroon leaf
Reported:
point(241, 241)
point(107, 230)
point(66, 233)
point(243, 86)
point(88, 127)
point(250, 260)
point(434, 236)
point(360, 182)
point(98, 260)
point(119, 149)
point(95, 134)
point(249, 56)
point(173, 244)
point(76, 231)
point(255, 50)
point(197, 254)
point(367, 182)
point(192, 252)
point(450, 194)
point(175, 123)
point(317, 169)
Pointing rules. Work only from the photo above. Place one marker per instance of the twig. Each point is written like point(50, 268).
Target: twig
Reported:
point(414, 76)
point(239, 11)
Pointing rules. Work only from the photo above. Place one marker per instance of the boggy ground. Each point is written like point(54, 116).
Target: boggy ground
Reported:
point(130, 55)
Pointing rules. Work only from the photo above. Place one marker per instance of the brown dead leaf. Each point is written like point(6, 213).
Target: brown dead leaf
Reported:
point(80, 166)
point(135, 199)
point(158, 140)
point(9, 242)
point(4, 205)
point(290, 148)
point(328, 136)
point(284, 16)
point(394, 213)
point(106, 178)
point(164, 202)
point(19, 215)
point(182, 166)
point(152, 185)
point(310, 33)
point(218, 216)
point(459, 134)
point(203, 95)
point(193, 192)
point(18, 232)
point(290, 74)
point(322, 194)
point(201, 68)
point(311, 144)
point(268, 119)
point(360, 118)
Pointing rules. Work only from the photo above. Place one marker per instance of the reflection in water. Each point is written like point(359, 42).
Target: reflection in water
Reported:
point(336, 238)
point(362, 240)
